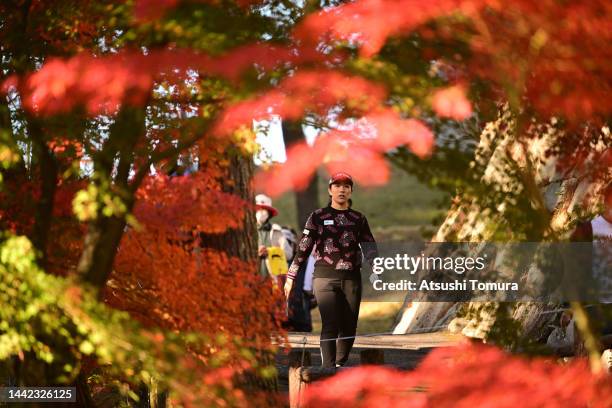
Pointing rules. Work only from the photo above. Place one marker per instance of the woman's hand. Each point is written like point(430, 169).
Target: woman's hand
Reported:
point(288, 287)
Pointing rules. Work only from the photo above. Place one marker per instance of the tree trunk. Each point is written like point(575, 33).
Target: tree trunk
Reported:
point(242, 243)
point(306, 200)
point(48, 169)
point(237, 242)
point(99, 250)
point(469, 221)
point(105, 232)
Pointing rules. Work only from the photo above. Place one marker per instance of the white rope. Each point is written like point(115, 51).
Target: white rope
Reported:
point(424, 330)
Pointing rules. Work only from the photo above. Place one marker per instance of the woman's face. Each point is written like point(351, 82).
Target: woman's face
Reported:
point(340, 192)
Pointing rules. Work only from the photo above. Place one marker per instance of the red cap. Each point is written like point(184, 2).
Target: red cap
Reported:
point(264, 202)
point(341, 176)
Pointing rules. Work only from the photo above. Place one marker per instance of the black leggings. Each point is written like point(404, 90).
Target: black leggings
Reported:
point(338, 301)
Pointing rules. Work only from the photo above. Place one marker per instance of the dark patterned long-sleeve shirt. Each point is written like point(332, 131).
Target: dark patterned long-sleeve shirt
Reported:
point(338, 237)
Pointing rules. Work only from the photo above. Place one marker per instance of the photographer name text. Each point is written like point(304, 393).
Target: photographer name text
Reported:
point(457, 285)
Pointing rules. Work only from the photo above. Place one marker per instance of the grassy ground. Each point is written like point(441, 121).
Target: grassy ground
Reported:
point(374, 317)
point(402, 203)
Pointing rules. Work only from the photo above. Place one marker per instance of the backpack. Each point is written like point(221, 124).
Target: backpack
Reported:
point(276, 261)
point(291, 237)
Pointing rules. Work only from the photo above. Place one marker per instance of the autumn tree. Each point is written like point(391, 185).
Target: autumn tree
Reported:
point(465, 376)
point(537, 89)
point(105, 106)
point(126, 135)
point(93, 127)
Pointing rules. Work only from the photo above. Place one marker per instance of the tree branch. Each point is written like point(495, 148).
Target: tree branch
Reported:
point(104, 234)
point(48, 184)
point(158, 156)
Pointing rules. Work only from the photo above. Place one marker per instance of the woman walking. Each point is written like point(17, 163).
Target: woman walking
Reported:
point(336, 232)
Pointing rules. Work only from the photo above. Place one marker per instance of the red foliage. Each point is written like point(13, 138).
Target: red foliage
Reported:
point(467, 376)
point(564, 65)
point(164, 278)
point(51, 26)
point(452, 103)
point(559, 68)
point(102, 83)
point(17, 204)
point(165, 285)
point(369, 23)
point(147, 10)
point(314, 91)
point(18, 200)
point(20, 194)
point(357, 149)
point(548, 53)
point(186, 203)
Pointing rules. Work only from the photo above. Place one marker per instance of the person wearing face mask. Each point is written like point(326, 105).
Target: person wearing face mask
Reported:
point(599, 232)
point(274, 247)
point(339, 236)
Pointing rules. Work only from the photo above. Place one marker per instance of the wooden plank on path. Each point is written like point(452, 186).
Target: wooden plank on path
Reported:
point(395, 341)
point(300, 377)
point(297, 387)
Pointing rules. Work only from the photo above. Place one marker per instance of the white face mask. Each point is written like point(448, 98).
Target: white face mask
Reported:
point(261, 216)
